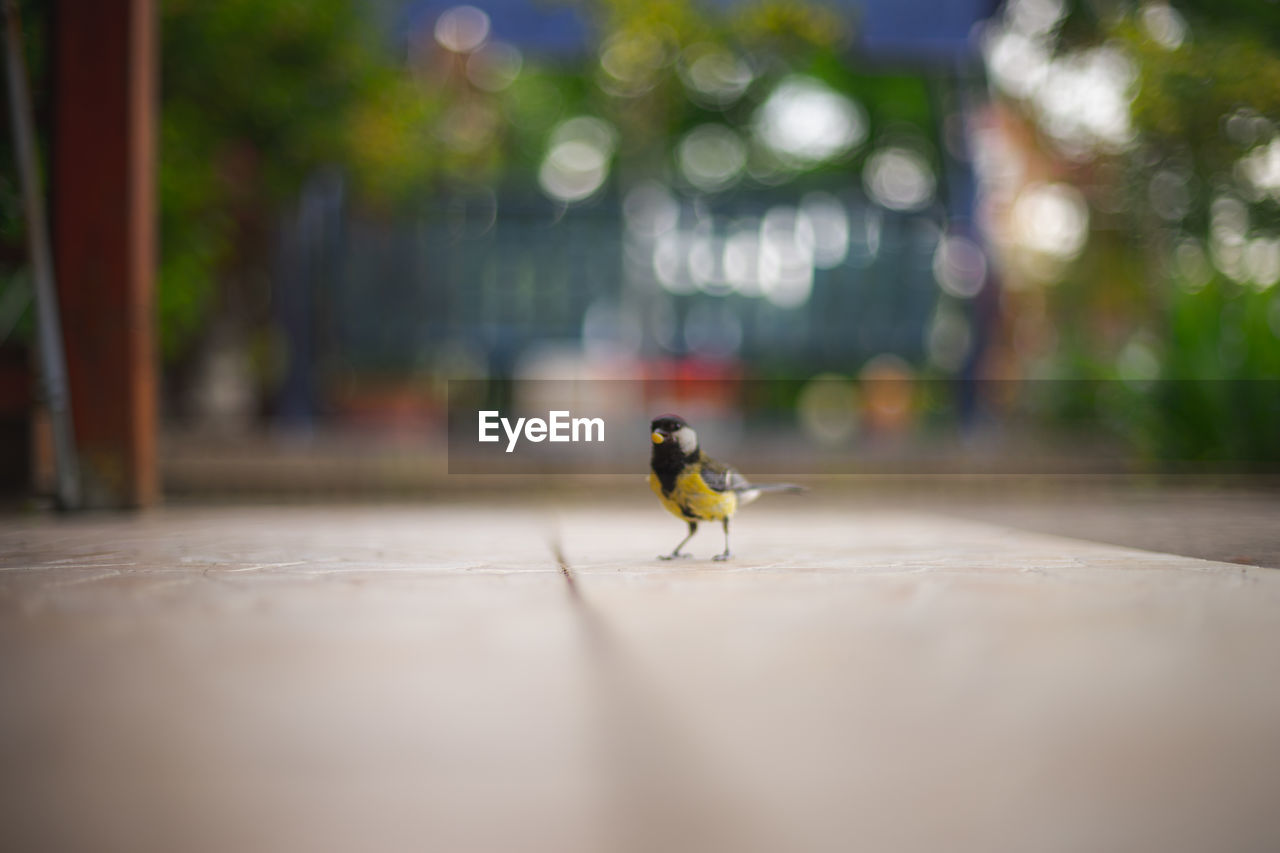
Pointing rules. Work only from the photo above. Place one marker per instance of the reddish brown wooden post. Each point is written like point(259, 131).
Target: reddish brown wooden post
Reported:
point(104, 238)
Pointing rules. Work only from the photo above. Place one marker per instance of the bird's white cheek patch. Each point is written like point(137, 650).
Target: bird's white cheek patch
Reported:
point(687, 439)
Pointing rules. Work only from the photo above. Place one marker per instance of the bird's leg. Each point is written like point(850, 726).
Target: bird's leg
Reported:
point(693, 528)
point(726, 555)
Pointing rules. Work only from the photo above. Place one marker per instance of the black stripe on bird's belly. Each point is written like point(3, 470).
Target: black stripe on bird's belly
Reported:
point(667, 465)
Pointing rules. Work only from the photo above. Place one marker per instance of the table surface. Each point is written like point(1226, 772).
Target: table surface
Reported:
point(485, 677)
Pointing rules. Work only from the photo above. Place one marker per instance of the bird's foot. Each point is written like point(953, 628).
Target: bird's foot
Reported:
point(720, 558)
point(674, 556)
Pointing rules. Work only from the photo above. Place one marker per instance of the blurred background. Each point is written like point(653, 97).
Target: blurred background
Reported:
point(1040, 236)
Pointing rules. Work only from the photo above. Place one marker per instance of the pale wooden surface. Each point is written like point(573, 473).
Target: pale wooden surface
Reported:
point(429, 678)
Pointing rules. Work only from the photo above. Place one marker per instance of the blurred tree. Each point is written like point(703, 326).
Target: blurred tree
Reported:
point(650, 54)
point(258, 95)
point(1175, 297)
point(254, 96)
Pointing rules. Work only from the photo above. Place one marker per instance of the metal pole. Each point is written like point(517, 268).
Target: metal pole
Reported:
point(53, 366)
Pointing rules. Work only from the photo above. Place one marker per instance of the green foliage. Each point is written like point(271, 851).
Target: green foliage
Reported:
point(390, 146)
point(1185, 367)
point(256, 96)
point(1184, 95)
point(1216, 398)
point(280, 75)
point(16, 319)
point(259, 94)
point(253, 99)
point(654, 38)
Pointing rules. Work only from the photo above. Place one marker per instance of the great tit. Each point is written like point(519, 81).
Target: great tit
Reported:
point(693, 486)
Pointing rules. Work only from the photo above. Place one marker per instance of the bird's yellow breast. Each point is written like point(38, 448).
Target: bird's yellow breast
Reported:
point(692, 499)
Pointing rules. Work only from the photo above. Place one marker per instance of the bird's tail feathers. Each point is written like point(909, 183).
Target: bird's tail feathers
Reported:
point(750, 493)
point(777, 487)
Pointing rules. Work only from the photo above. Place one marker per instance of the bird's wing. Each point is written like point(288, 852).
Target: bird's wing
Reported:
point(721, 478)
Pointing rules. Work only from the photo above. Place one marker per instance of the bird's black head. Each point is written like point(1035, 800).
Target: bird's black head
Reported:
point(671, 436)
point(667, 423)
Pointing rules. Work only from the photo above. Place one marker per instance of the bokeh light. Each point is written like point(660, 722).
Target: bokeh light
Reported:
point(865, 224)
point(829, 228)
point(804, 122)
point(494, 67)
point(742, 257)
point(1017, 63)
point(714, 76)
point(462, 29)
point(1051, 219)
point(671, 261)
point(1137, 362)
point(1084, 100)
point(1262, 261)
point(1259, 170)
point(1193, 268)
point(1164, 25)
point(711, 157)
point(577, 160)
point(706, 257)
point(1035, 17)
point(786, 257)
point(888, 393)
point(827, 409)
point(1169, 196)
point(630, 61)
point(1081, 97)
point(959, 266)
point(649, 209)
point(899, 178)
point(949, 338)
point(1228, 230)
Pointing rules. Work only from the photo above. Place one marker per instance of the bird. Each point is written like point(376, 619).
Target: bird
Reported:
point(693, 486)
